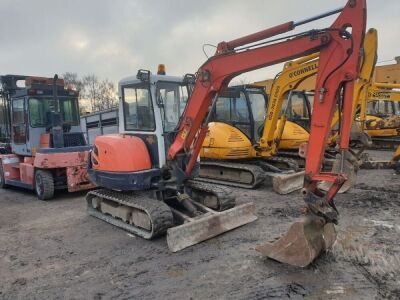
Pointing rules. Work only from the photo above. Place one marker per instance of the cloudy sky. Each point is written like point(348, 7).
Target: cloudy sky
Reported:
point(113, 39)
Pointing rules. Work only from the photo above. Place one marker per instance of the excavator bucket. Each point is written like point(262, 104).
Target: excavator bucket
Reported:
point(286, 183)
point(304, 241)
point(208, 225)
point(349, 168)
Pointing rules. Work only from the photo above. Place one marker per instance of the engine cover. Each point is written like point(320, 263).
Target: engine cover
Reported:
point(120, 153)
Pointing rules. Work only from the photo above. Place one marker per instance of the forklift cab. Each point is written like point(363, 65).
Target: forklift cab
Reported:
point(46, 149)
point(38, 110)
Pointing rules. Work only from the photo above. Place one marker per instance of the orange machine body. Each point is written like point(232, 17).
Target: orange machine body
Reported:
point(107, 156)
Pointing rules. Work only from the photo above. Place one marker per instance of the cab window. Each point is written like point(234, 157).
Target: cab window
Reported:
point(18, 121)
point(172, 98)
point(70, 111)
point(138, 109)
point(258, 107)
point(41, 108)
point(233, 111)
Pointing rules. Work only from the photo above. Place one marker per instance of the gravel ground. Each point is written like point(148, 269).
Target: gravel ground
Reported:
point(54, 250)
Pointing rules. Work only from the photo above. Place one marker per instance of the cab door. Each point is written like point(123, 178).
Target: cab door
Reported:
point(18, 125)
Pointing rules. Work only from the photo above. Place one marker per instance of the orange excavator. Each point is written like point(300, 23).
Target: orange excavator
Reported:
point(147, 173)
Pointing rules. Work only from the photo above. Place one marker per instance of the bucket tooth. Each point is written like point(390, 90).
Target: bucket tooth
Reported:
point(209, 225)
point(304, 241)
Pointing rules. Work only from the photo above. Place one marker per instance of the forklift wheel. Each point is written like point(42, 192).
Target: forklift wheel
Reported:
point(44, 185)
point(3, 184)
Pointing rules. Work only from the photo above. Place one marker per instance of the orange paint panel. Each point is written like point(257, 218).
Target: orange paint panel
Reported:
point(78, 179)
point(10, 164)
point(45, 140)
point(27, 172)
point(60, 160)
point(29, 160)
point(120, 153)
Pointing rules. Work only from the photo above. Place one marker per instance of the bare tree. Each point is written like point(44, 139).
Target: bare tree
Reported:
point(72, 80)
point(99, 94)
point(107, 96)
point(91, 90)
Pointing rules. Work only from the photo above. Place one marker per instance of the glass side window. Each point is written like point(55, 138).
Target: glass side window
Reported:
point(138, 109)
point(172, 98)
point(18, 121)
point(70, 111)
point(258, 106)
point(18, 111)
point(381, 108)
point(40, 110)
point(232, 109)
point(297, 109)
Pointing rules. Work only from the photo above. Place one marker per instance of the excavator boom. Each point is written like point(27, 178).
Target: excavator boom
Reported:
point(227, 63)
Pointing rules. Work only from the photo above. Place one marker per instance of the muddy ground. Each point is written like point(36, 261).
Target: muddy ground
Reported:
point(54, 250)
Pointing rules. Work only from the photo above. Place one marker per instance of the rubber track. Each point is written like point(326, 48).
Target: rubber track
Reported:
point(291, 164)
point(226, 199)
point(257, 173)
point(385, 142)
point(160, 215)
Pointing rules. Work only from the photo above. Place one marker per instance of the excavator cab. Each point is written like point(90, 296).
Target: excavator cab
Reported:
point(242, 107)
point(297, 109)
point(149, 111)
point(296, 113)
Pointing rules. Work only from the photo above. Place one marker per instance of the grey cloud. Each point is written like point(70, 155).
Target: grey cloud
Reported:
point(115, 38)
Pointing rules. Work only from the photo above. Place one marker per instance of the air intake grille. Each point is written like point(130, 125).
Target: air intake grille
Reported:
point(74, 139)
point(235, 137)
point(239, 153)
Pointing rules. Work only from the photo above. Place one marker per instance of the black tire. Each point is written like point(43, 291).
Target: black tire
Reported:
point(44, 185)
point(3, 184)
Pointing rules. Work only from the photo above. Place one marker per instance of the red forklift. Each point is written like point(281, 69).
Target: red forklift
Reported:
point(42, 146)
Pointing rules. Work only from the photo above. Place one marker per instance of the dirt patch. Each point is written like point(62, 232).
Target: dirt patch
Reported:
point(55, 250)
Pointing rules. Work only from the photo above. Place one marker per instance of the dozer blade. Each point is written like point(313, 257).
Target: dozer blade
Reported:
point(349, 169)
point(209, 225)
point(304, 241)
point(287, 183)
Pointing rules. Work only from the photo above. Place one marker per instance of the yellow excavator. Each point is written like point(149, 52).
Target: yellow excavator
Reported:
point(379, 115)
point(242, 140)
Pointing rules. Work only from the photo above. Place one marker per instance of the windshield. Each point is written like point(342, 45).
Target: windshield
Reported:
point(258, 107)
point(296, 109)
point(41, 108)
point(382, 108)
point(232, 109)
point(172, 98)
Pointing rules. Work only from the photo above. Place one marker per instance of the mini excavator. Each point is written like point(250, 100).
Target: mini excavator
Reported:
point(148, 174)
point(379, 116)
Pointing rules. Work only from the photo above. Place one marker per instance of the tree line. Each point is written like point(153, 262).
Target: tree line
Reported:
point(94, 94)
